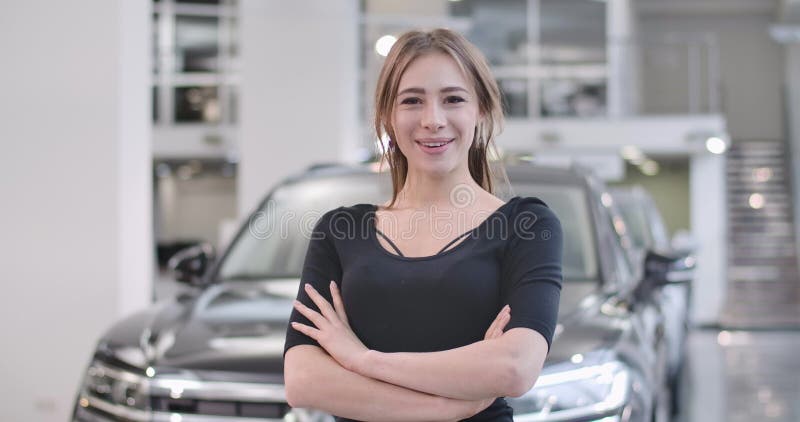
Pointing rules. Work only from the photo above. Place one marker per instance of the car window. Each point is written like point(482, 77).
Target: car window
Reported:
point(616, 240)
point(569, 204)
point(276, 238)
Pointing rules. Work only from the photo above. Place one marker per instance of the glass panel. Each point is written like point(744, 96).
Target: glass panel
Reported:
point(515, 96)
point(198, 1)
point(573, 57)
point(197, 104)
point(233, 104)
point(570, 97)
point(498, 28)
point(156, 57)
point(196, 43)
point(154, 93)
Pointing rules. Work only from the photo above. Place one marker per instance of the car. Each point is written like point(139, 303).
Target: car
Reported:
point(649, 236)
point(214, 352)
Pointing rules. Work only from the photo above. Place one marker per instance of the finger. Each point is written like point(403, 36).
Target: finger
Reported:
point(312, 315)
point(338, 304)
point(508, 319)
point(305, 329)
point(501, 328)
point(502, 321)
point(493, 327)
point(325, 308)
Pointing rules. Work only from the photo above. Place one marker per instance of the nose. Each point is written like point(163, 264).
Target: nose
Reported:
point(433, 117)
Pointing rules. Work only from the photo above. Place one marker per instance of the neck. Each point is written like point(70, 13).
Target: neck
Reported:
point(424, 189)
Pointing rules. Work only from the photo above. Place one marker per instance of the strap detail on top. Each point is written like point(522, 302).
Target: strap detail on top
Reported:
point(390, 242)
point(453, 241)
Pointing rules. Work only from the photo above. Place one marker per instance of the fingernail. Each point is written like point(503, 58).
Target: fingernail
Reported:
point(308, 287)
point(333, 284)
point(294, 324)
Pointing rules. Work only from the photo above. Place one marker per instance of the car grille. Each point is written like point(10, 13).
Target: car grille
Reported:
point(219, 408)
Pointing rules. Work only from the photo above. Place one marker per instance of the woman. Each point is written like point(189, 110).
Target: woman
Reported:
point(400, 318)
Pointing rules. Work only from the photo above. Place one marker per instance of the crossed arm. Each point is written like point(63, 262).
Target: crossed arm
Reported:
point(444, 383)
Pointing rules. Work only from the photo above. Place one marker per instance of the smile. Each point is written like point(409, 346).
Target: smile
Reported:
point(435, 145)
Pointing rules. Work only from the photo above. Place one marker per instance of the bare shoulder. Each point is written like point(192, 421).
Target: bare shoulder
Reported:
point(488, 202)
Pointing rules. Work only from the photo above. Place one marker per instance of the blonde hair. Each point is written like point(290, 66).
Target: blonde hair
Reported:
point(472, 63)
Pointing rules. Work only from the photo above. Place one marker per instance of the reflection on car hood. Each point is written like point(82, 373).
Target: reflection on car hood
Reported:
point(239, 327)
point(232, 327)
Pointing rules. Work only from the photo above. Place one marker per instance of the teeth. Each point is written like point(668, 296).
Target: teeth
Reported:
point(438, 144)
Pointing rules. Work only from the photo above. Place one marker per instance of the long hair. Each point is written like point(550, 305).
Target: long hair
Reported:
point(472, 63)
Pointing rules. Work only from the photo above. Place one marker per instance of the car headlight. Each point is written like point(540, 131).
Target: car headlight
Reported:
point(114, 386)
point(571, 392)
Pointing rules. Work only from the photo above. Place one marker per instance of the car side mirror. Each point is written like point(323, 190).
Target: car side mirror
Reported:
point(662, 269)
point(190, 264)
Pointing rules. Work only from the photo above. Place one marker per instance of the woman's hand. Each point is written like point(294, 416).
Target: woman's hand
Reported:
point(495, 330)
point(500, 321)
point(331, 329)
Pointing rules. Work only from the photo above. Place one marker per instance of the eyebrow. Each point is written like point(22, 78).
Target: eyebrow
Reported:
point(422, 91)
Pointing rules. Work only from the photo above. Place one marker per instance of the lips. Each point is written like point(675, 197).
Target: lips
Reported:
point(434, 145)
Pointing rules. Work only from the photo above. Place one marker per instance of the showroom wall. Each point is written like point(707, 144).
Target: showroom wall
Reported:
point(751, 64)
point(293, 113)
point(76, 182)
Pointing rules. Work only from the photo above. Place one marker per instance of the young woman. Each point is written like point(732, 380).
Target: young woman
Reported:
point(440, 302)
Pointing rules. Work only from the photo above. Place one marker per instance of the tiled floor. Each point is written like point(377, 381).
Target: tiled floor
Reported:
point(738, 376)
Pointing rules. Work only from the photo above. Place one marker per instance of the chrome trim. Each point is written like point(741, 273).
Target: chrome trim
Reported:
point(217, 390)
point(181, 387)
point(605, 410)
point(116, 410)
point(145, 416)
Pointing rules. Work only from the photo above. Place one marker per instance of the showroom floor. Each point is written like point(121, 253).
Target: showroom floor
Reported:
point(742, 376)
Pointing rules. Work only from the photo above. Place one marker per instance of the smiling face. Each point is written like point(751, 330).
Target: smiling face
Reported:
point(434, 116)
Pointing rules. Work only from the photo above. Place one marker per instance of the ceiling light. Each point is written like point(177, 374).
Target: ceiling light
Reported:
point(631, 153)
point(756, 201)
point(649, 168)
point(762, 174)
point(716, 145)
point(384, 44)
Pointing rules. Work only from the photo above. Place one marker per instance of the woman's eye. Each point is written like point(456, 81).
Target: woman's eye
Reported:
point(410, 100)
point(455, 99)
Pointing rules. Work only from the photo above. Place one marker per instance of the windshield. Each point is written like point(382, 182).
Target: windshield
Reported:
point(276, 238)
point(275, 241)
point(569, 204)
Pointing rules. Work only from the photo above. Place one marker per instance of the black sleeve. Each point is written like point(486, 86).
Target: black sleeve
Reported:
point(320, 267)
point(532, 268)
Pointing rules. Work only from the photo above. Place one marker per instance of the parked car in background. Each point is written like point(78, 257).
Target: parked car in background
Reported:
point(215, 352)
point(649, 236)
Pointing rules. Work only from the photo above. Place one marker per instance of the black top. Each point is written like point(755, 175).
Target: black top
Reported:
point(444, 301)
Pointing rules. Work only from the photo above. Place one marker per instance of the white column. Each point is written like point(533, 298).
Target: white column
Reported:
point(709, 226)
point(793, 124)
point(299, 92)
point(75, 182)
point(622, 62)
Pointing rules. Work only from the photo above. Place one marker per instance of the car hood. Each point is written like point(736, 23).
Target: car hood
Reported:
point(240, 327)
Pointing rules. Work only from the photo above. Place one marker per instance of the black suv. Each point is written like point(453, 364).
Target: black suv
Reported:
point(215, 351)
